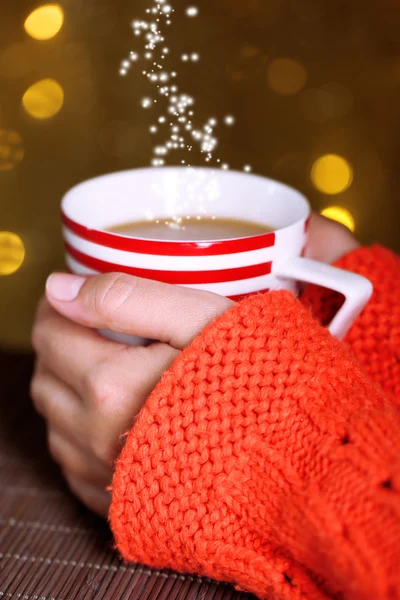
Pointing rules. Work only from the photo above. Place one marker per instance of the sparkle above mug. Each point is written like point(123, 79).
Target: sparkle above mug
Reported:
point(235, 268)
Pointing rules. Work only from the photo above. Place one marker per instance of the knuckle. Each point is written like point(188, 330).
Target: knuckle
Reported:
point(103, 399)
point(100, 392)
point(112, 294)
point(103, 450)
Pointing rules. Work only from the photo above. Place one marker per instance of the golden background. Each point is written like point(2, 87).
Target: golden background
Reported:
point(314, 86)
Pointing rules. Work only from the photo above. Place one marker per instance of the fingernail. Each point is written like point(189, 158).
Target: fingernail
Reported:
point(64, 287)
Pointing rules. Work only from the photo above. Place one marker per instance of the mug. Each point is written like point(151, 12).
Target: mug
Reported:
point(235, 268)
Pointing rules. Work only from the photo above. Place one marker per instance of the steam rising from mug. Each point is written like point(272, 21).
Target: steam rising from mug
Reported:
point(175, 119)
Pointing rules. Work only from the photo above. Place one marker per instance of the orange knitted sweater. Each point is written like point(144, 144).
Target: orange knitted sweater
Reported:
point(269, 454)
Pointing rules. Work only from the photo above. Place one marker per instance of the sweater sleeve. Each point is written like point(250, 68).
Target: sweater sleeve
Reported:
point(375, 336)
point(267, 458)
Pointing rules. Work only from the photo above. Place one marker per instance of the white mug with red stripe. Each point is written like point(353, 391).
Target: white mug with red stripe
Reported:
point(234, 268)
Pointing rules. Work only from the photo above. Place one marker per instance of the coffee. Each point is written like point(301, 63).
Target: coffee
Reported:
point(191, 228)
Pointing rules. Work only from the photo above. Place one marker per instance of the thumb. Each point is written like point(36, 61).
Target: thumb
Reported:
point(122, 303)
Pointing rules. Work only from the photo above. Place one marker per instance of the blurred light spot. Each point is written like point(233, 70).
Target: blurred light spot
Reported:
point(341, 215)
point(11, 149)
point(238, 76)
point(44, 22)
point(12, 252)
point(286, 76)
point(334, 100)
point(331, 174)
point(249, 51)
point(43, 99)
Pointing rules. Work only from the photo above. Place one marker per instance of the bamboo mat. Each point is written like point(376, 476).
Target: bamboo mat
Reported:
point(51, 547)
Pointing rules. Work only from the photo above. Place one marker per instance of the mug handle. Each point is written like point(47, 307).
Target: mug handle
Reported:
point(356, 289)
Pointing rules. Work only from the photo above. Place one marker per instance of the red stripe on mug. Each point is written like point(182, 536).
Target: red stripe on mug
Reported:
point(174, 277)
point(160, 248)
point(240, 297)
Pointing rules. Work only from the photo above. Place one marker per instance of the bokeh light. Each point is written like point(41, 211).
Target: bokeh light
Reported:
point(11, 149)
point(249, 51)
point(238, 76)
point(341, 215)
point(43, 99)
point(331, 174)
point(44, 22)
point(286, 76)
point(12, 252)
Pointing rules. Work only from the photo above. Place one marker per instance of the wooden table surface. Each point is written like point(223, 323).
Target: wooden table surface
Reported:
point(51, 547)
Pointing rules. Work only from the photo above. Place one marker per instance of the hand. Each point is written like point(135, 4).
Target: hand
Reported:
point(329, 240)
point(89, 389)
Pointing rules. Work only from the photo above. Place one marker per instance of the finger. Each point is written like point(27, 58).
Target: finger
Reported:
point(329, 240)
point(79, 464)
point(116, 391)
point(110, 394)
point(59, 405)
point(113, 394)
point(67, 349)
point(93, 497)
point(150, 309)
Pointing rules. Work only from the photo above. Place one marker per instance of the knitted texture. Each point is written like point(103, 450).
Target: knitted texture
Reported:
point(268, 458)
point(375, 336)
